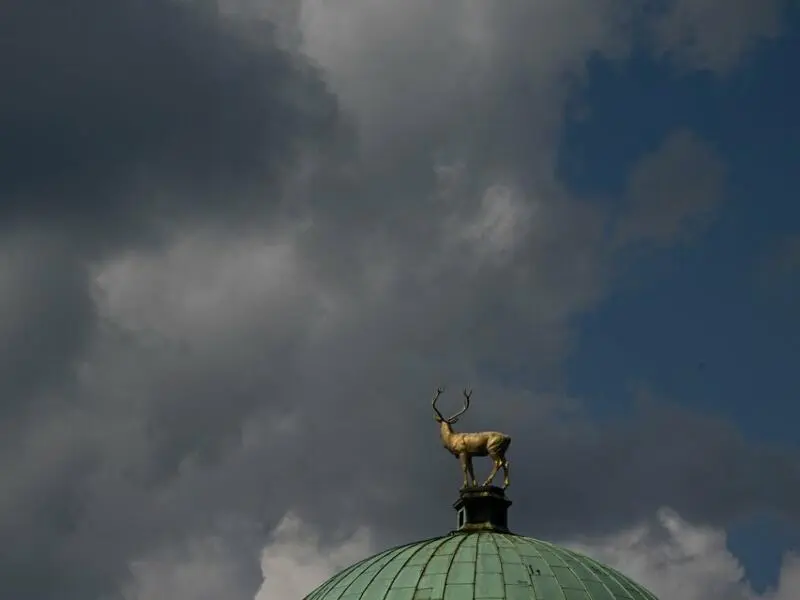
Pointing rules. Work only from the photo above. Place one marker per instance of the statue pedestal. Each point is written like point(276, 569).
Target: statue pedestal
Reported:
point(483, 508)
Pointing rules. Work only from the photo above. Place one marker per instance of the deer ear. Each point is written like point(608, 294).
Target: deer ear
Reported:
point(452, 421)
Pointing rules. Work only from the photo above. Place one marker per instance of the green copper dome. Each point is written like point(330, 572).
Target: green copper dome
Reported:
point(480, 565)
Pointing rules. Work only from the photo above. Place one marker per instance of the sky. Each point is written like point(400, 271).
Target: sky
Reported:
point(241, 243)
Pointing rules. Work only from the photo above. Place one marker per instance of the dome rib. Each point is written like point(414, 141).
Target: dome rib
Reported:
point(569, 559)
point(399, 568)
point(475, 566)
point(353, 572)
point(625, 585)
point(497, 547)
point(608, 574)
point(442, 541)
point(416, 550)
point(510, 540)
point(389, 558)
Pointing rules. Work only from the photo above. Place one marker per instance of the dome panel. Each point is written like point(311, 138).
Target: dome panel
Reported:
point(480, 566)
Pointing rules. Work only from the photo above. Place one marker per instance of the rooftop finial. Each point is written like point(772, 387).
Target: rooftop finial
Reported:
point(466, 445)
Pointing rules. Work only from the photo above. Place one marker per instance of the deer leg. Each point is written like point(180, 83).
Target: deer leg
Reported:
point(496, 462)
point(505, 472)
point(471, 472)
point(466, 466)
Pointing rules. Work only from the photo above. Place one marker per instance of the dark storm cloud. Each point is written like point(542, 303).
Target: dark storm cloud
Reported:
point(44, 311)
point(662, 455)
point(117, 114)
point(118, 120)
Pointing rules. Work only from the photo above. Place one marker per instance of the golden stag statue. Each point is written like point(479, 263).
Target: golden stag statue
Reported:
point(466, 445)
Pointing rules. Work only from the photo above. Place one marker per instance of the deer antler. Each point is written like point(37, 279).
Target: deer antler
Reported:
point(439, 392)
point(467, 394)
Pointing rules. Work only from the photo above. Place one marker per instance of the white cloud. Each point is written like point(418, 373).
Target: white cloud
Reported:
point(203, 284)
point(495, 230)
point(424, 75)
point(295, 562)
point(677, 560)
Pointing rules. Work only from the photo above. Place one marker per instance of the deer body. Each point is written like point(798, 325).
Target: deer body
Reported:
point(477, 444)
point(466, 445)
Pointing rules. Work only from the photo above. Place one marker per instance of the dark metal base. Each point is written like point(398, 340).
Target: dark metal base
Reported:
point(483, 508)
